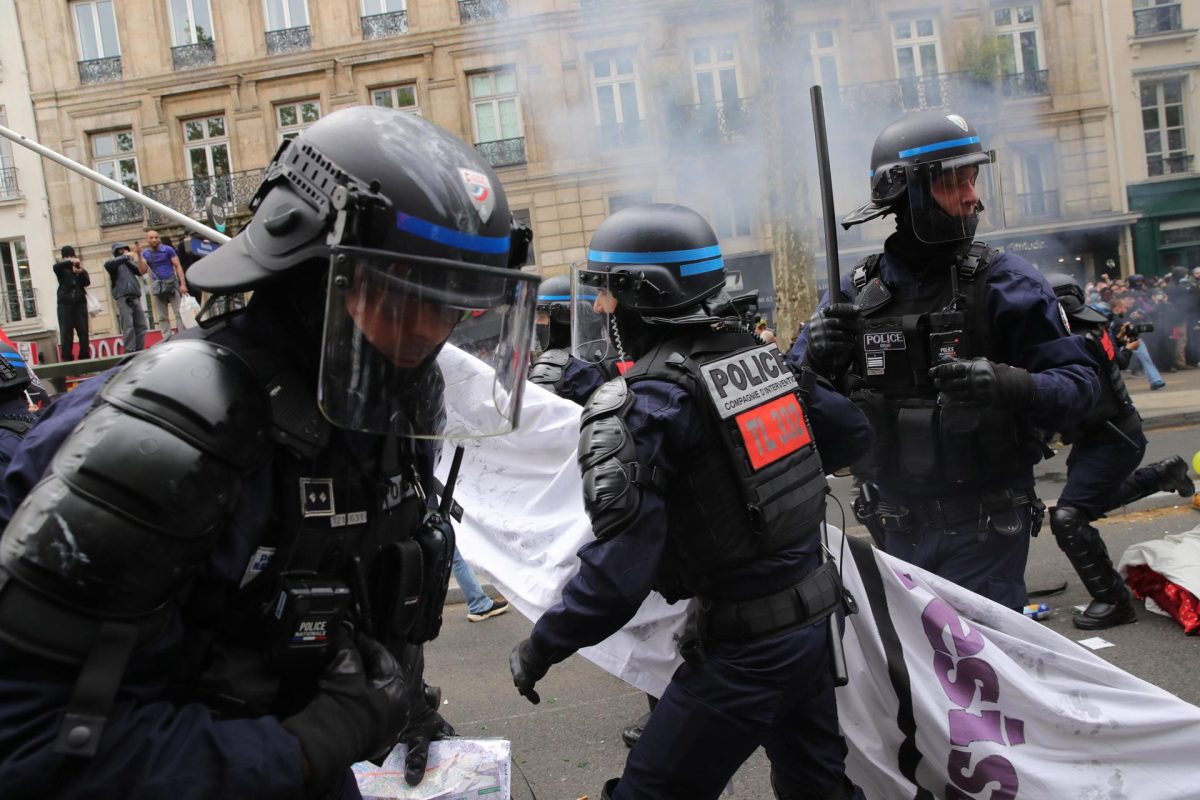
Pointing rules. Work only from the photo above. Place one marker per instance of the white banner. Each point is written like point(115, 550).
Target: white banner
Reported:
point(951, 695)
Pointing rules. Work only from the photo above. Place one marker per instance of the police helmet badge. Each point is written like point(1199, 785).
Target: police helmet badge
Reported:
point(479, 189)
point(959, 121)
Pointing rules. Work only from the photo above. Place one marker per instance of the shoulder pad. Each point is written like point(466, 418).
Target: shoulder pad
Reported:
point(548, 370)
point(558, 357)
point(612, 397)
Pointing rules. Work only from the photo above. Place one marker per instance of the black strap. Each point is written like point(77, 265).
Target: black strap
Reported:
point(909, 755)
point(96, 690)
point(806, 603)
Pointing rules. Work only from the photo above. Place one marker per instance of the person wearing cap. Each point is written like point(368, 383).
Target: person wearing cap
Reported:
point(958, 354)
point(125, 274)
point(1107, 445)
point(73, 281)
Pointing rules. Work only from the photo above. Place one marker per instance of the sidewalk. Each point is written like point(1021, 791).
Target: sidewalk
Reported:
point(1178, 403)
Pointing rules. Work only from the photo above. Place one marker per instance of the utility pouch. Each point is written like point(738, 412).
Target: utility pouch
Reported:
point(918, 428)
point(877, 460)
point(958, 424)
point(691, 642)
point(397, 579)
point(436, 540)
point(307, 610)
point(1003, 516)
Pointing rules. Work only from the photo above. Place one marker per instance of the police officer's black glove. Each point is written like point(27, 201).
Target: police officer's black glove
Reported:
point(528, 667)
point(358, 713)
point(832, 336)
point(983, 383)
point(425, 726)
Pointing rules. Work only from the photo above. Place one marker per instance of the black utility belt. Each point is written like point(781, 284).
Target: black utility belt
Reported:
point(806, 603)
point(1119, 430)
point(985, 509)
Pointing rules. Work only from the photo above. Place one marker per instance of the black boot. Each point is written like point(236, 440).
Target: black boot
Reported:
point(1101, 614)
point(1173, 472)
point(610, 786)
point(631, 734)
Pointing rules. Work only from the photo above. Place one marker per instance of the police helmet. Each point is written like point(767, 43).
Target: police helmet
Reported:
point(14, 374)
point(554, 299)
point(118, 247)
point(656, 259)
point(1071, 299)
point(911, 159)
point(415, 232)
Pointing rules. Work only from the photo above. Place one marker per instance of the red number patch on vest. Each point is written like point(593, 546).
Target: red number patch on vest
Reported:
point(773, 430)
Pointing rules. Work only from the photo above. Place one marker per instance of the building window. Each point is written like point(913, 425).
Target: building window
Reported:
point(191, 34)
point(8, 171)
point(1163, 127)
point(19, 301)
point(1156, 16)
point(403, 97)
point(715, 73)
point(207, 145)
point(823, 50)
point(291, 118)
point(617, 202)
point(287, 26)
point(521, 217)
point(382, 18)
point(731, 218)
point(918, 63)
point(96, 37)
point(114, 157)
point(1018, 33)
point(1036, 182)
point(616, 101)
point(496, 117)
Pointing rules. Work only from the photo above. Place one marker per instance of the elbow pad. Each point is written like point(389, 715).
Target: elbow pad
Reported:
point(612, 477)
point(549, 368)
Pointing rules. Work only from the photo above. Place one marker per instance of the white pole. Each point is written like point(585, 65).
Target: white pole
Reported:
point(109, 183)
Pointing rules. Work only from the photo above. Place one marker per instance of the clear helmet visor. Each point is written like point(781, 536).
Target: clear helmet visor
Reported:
point(591, 339)
point(956, 198)
point(424, 348)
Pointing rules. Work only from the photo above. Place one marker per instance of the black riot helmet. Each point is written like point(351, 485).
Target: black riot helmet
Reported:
point(414, 231)
point(14, 375)
point(554, 307)
point(918, 164)
point(656, 259)
point(1072, 300)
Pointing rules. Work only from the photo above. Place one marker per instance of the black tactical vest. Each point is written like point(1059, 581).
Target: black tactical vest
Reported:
point(922, 449)
point(754, 485)
point(1114, 404)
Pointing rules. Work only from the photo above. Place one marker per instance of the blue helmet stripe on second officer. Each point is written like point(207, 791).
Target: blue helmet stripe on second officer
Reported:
point(659, 257)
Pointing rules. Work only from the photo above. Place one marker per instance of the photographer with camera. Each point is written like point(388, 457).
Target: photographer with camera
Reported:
point(125, 274)
point(73, 281)
point(1127, 326)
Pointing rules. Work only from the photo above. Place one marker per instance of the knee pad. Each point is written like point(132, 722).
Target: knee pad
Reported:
point(1066, 522)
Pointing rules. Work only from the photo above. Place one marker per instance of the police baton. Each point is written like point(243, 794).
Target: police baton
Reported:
point(833, 270)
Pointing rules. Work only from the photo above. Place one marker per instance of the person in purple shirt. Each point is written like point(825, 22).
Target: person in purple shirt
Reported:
point(958, 355)
point(167, 282)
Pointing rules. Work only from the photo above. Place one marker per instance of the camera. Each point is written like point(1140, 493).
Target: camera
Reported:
point(1138, 328)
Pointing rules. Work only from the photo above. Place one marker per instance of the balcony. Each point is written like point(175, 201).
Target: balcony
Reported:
point(481, 10)
point(710, 123)
point(289, 40)
point(1169, 165)
point(193, 56)
point(120, 211)
point(9, 190)
point(621, 134)
point(1157, 19)
point(380, 26)
point(1035, 83)
point(235, 189)
point(1043, 205)
point(100, 70)
point(14, 307)
point(503, 152)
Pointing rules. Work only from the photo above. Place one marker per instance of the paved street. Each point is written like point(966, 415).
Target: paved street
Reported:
point(570, 744)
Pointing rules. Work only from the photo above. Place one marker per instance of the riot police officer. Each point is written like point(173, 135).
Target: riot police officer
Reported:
point(703, 473)
point(561, 313)
point(222, 567)
point(957, 354)
point(16, 408)
point(1107, 444)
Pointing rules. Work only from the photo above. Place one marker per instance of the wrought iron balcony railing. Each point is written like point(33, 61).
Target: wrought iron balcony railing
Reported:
point(193, 56)
point(120, 211)
point(1169, 165)
point(621, 134)
point(711, 123)
point(1026, 84)
point(289, 40)
point(9, 190)
point(503, 152)
point(1038, 204)
point(14, 307)
point(235, 189)
point(100, 70)
point(1157, 19)
point(479, 10)
point(379, 26)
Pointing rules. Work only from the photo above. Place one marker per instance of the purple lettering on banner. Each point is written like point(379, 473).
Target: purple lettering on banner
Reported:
point(969, 673)
point(992, 769)
point(1015, 729)
point(940, 615)
point(966, 727)
point(905, 579)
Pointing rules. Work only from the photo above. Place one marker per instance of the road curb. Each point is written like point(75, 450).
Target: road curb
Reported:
point(1171, 420)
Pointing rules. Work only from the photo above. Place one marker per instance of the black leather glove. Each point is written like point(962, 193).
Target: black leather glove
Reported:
point(358, 713)
point(528, 667)
point(832, 336)
point(983, 383)
point(425, 726)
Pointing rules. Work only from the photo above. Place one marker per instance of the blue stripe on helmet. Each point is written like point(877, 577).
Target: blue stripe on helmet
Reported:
point(451, 237)
point(660, 257)
point(700, 267)
point(946, 145)
point(550, 298)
